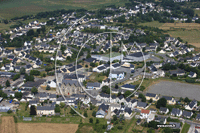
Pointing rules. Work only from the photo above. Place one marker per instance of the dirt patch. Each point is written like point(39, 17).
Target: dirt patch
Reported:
point(8, 125)
point(46, 128)
point(196, 44)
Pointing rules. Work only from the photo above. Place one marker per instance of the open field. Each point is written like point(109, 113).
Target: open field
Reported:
point(12, 8)
point(7, 125)
point(186, 127)
point(152, 24)
point(189, 32)
point(46, 128)
point(191, 36)
point(176, 89)
point(187, 26)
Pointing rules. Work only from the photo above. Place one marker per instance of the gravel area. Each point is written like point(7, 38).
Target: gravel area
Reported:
point(176, 89)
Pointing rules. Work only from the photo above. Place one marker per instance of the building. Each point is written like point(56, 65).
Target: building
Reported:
point(116, 75)
point(128, 87)
point(152, 96)
point(46, 110)
point(138, 57)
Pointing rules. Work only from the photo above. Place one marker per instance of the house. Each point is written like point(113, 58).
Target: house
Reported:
point(176, 112)
point(187, 114)
point(127, 112)
point(102, 111)
point(198, 117)
point(142, 105)
point(34, 102)
point(114, 106)
point(191, 105)
point(52, 83)
point(161, 120)
point(170, 100)
point(164, 110)
point(116, 75)
point(52, 97)
point(144, 114)
point(92, 86)
point(192, 75)
point(177, 72)
point(128, 87)
point(46, 110)
point(152, 96)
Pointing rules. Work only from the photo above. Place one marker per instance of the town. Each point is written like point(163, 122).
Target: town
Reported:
point(89, 67)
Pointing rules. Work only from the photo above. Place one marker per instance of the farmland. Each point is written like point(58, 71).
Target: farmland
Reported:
point(7, 125)
point(13, 8)
point(189, 32)
point(46, 128)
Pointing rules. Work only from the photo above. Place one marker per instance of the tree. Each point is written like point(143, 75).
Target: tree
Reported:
point(9, 111)
point(5, 21)
point(97, 121)
point(106, 89)
point(35, 72)
point(186, 100)
point(57, 108)
point(88, 56)
point(22, 70)
point(18, 95)
point(91, 120)
point(30, 32)
point(85, 114)
point(48, 87)
point(142, 97)
point(72, 112)
point(7, 83)
point(32, 110)
point(161, 103)
point(34, 90)
point(127, 93)
point(142, 88)
point(62, 105)
point(15, 77)
point(94, 113)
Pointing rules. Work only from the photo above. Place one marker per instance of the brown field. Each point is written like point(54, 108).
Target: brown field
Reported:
point(188, 26)
point(7, 125)
point(46, 128)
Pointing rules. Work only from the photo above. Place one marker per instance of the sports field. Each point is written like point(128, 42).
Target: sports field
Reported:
point(12, 8)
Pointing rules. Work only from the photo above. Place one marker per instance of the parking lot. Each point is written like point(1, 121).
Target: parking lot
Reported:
point(176, 89)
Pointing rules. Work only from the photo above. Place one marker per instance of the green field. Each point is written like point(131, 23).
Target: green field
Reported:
point(152, 24)
point(12, 8)
point(191, 36)
point(186, 127)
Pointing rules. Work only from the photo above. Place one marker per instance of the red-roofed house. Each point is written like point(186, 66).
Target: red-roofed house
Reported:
point(145, 114)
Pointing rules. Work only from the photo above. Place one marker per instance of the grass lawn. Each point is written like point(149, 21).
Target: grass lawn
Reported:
point(95, 77)
point(13, 8)
point(197, 12)
point(185, 129)
point(152, 24)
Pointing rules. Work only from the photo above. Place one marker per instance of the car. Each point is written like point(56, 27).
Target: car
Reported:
point(132, 71)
